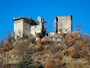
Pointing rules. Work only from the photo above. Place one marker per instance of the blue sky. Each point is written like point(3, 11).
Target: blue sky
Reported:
point(79, 9)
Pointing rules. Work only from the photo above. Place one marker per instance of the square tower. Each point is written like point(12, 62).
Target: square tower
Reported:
point(22, 26)
point(63, 24)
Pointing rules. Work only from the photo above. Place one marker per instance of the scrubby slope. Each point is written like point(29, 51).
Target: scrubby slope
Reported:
point(72, 52)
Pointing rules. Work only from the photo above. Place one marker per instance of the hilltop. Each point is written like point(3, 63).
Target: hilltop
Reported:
point(69, 51)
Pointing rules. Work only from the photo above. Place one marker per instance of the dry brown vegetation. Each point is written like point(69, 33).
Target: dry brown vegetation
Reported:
point(73, 52)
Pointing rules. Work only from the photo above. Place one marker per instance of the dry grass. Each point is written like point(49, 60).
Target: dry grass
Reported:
point(63, 55)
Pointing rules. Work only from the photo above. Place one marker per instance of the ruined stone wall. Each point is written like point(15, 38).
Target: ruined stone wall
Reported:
point(63, 24)
point(51, 34)
point(40, 20)
point(36, 29)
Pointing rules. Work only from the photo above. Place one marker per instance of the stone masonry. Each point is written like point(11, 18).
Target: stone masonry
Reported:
point(63, 24)
point(26, 26)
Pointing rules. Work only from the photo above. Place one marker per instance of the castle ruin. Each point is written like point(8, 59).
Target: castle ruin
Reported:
point(63, 24)
point(26, 26)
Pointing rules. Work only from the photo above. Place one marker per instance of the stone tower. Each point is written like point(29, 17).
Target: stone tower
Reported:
point(27, 26)
point(22, 26)
point(63, 24)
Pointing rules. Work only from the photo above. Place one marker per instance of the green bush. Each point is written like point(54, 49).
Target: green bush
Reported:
point(39, 35)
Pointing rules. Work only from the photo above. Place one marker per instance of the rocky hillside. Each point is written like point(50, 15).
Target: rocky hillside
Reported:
point(62, 51)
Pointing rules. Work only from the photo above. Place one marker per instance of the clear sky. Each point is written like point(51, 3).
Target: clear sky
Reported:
point(79, 9)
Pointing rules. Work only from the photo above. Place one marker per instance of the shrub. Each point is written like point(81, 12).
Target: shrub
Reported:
point(33, 40)
point(75, 55)
point(54, 49)
point(27, 62)
point(7, 46)
point(50, 63)
point(60, 57)
point(39, 35)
